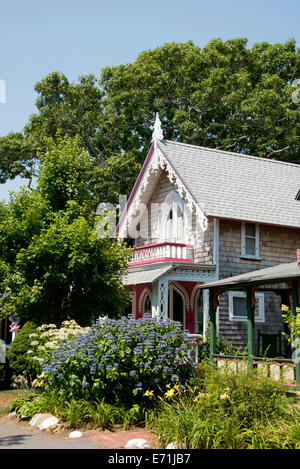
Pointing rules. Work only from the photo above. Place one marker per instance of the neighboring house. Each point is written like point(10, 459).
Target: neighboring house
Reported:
point(197, 215)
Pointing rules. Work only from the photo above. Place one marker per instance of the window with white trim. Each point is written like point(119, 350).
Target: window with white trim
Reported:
point(250, 240)
point(238, 306)
point(172, 218)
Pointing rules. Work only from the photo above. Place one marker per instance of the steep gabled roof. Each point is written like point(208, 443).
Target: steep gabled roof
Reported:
point(235, 186)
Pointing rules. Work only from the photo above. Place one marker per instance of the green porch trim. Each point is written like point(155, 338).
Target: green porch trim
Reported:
point(295, 301)
point(212, 326)
point(250, 326)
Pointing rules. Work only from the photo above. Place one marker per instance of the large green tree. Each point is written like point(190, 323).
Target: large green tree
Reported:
point(225, 95)
point(53, 263)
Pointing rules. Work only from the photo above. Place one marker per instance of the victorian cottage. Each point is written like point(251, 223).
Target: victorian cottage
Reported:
point(198, 215)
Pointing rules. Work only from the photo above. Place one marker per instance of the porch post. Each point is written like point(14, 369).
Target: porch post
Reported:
point(163, 298)
point(154, 302)
point(205, 312)
point(296, 339)
point(250, 300)
point(212, 326)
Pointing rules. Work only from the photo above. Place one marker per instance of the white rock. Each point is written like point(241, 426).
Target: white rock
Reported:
point(138, 443)
point(175, 445)
point(12, 415)
point(34, 420)
point(75, 434)
point(44, 421)
point(47, 423)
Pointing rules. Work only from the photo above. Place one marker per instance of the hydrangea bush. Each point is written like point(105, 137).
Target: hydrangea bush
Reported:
point(49, 337)
point(126, 360)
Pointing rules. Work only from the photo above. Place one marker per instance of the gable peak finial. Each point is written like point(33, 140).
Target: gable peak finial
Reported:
point(157, 134)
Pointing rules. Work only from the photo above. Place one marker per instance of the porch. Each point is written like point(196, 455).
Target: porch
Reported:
point(171, 290)
point(283, 279)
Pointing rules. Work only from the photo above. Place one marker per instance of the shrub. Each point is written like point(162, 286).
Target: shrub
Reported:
point(126, 361)
point(227, 411)
point(77, 412)
point(17, 353)
point(253, 397)
point(49, 337)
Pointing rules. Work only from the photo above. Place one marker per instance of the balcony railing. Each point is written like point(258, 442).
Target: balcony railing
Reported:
point(166, 251)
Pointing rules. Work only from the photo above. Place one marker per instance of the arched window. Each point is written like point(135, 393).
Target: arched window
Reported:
point(176, 304)
point(147, 307)
point(172, 220)
point(180, 223)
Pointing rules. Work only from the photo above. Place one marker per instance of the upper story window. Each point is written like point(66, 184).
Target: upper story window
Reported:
point(250, 240)
point(172, 221)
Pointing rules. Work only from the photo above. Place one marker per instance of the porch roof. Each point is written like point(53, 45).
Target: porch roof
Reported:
point(277, 274)
point(138, 275)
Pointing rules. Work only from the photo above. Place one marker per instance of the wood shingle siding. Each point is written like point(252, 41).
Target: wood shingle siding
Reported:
point(276, 245)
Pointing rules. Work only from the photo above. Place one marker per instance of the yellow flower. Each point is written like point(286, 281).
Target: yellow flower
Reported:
point(176, 386)
point(168, 386)
point(149, 393)
point(284, 308)
point(36, 383)
point(170, 393)
point(297, 309)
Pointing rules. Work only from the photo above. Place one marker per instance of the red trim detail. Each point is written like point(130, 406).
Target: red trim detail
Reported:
point(160, 259)
point(138, 292)
point(216, 294)
point(284, 297)
point(253, 290)
point(190, 314)
point(163, 243)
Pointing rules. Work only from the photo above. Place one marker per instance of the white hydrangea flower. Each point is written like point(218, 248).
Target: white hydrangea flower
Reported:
point(51, 345)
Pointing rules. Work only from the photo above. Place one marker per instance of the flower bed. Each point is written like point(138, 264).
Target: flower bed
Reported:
point(126, 360)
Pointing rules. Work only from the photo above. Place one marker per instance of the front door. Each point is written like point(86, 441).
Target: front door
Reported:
point(176, 306)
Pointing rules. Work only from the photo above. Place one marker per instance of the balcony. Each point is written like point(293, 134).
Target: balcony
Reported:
point(165, 251)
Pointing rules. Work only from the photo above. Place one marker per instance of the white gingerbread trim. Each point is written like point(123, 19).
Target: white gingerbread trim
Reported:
point(159, 162)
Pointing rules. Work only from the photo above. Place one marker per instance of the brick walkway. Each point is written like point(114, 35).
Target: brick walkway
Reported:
point(106, 439)
point(118, 439)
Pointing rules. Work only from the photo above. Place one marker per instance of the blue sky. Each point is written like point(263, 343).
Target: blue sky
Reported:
point(80, 37)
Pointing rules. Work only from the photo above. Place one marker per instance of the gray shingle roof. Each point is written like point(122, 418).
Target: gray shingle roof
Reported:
point(281, 272)
point(144, 274)
point(236, 186)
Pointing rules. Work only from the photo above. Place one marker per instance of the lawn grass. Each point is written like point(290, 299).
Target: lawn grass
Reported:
point(8, 396)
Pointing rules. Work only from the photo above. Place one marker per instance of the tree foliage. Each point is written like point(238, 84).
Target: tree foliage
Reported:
point(17, 353)
point(225, 95)
point(52, 262)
